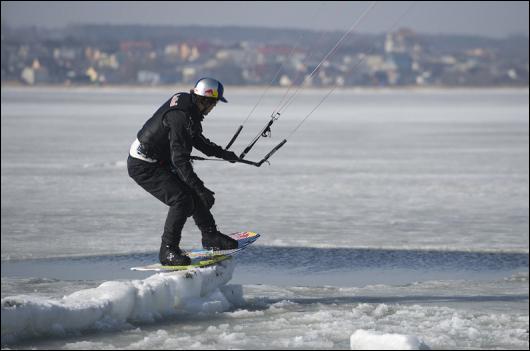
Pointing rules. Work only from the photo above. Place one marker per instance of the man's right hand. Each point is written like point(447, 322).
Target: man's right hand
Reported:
point(207, 198)
point(230, 156)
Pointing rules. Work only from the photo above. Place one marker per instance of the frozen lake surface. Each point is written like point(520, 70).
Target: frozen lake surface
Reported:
point(402, 213)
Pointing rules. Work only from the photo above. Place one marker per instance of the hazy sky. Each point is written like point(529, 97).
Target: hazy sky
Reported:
point(495, 18)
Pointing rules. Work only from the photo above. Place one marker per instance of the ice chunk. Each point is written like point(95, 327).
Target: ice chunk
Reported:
point(368, 340)
point(114, 304)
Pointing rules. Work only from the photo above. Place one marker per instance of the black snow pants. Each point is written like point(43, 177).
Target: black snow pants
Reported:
point(166, 186)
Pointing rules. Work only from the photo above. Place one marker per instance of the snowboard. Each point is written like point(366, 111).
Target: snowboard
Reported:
point(244, 239)
point(198, 262)
point(204, 258)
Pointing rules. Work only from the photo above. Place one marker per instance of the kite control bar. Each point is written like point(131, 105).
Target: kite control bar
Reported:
point(198, 158)
point(265, 133)
point(234, 137)
point(240, 160)
point(276, 148)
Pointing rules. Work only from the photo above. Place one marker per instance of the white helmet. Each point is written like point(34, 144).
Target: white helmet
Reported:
point(211, 88)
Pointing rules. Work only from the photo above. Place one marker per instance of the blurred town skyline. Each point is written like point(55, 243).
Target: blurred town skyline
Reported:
point(149, 54)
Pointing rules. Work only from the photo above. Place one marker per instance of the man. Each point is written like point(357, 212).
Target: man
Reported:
point(159, 161)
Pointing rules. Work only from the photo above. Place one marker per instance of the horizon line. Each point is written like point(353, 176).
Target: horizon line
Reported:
point(261, 27)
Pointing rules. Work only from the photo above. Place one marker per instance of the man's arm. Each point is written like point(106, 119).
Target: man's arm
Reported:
point(209, 148)
point(179, 150)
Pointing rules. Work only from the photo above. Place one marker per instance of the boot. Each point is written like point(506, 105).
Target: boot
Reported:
point(212, 239)
point(171, 255)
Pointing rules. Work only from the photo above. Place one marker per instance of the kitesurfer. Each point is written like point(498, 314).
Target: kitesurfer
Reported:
point(159, 161)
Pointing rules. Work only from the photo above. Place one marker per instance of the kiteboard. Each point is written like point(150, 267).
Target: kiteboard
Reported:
point(244, 239)
point(204, 258)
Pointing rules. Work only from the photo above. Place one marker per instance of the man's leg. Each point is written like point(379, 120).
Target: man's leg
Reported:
point(169, 189)
point(166, 187)
point(176, 218)
point(201, 214)
point(211, 237)
point(170, 253)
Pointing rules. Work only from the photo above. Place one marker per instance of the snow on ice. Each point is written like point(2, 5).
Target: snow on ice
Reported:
point(114, 304)
point(367, 340)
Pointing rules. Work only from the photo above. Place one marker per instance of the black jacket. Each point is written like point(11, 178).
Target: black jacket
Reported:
point(172, 132)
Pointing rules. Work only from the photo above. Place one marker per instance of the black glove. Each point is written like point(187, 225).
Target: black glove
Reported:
point(230, 156)
point(206, 196)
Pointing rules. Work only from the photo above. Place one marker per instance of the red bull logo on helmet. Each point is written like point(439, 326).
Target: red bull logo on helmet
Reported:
point(211, 92)
point(208, 92)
